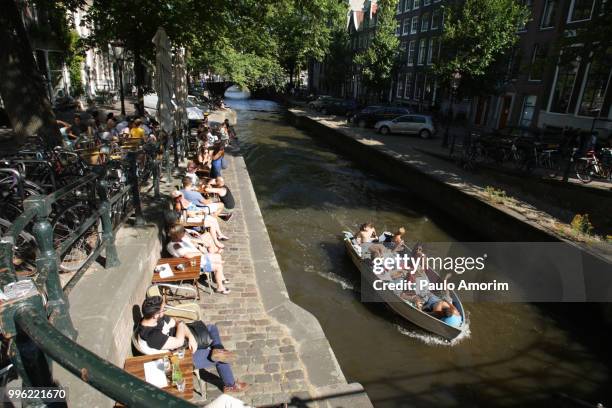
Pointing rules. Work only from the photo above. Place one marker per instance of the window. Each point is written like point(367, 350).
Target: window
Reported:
point(406, 26)
point(529, 104)
point(410, 54)
point(422, 51)
point(426, 3)
point(407, 5)
point(538, 60)
point(580, 10)
point(425, 22)
point(528, 4)
point(417, 90)
point(415, 25)
point(408, 86)
point(418, 86)
point(549, 14)
point(598, 78)
point(416, 4)
point(398, 29)
point(564, 85)
point(433, 47)
point(435, 19)
point(400, 86)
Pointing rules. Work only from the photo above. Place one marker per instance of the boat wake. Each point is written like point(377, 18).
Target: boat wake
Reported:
point(433, 340)
point(343, 282)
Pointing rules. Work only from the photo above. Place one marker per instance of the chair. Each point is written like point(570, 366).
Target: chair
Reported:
point(146, 350)
point(187, 311)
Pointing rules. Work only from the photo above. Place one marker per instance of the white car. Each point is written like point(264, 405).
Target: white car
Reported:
point(421, 125)
point(194, 114)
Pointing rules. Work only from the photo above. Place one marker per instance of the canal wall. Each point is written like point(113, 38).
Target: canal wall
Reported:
point(450, 194)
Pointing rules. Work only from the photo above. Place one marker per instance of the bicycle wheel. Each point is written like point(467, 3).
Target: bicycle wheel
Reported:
point(583, 171)
point(65, 225)
point(24, 252)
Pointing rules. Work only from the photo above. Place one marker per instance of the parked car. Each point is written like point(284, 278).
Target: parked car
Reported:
point(421, 125)
point(318, 101)
point(368, 116)
point(333, 106)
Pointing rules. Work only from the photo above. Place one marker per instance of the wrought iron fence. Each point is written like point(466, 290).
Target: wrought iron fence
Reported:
point(37, 324)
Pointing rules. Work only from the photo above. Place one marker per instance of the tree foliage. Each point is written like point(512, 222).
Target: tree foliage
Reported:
point(476, 33)
point(379, 61)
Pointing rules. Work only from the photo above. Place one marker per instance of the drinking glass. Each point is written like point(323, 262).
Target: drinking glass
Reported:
point(193, 262)
point(180, 352)
point(180, 385)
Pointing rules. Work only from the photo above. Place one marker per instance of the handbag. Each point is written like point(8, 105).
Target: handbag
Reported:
point(201, 334)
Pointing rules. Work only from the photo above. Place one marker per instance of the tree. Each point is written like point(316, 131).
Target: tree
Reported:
point(303, 30)
point(379, 61)
point(134, 23)
point(476, 33)
point(339, 53)
point(22, 87)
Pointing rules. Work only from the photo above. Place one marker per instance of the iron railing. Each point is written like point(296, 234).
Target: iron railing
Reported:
point(38, 325)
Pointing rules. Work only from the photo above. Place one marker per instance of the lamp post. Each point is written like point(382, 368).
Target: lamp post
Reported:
point(118, 54)
point(455, 78)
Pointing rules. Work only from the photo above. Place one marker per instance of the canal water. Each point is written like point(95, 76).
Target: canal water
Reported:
point(515, 354)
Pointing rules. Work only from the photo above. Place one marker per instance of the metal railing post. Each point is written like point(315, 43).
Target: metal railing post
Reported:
point(47, 265)
point(31, 363)
point(7, 269)
point(156, 171)
point(166, 156)
point(112, 259)
point(133, 180)
point(90, 368)
point(175, 136)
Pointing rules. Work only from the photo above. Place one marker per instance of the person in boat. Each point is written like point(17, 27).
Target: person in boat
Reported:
point(366, 234)
point(442, 308)
point(398, 240)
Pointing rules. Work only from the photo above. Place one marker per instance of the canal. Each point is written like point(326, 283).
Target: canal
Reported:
point(515, 354)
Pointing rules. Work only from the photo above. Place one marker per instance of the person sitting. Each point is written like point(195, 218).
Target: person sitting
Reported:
point(159, 332)
point(197, 198)
point(136, 132)
point(443, 309)
point(191, 173)
point(397, 240)
point(209, 221)
point(68, 136)
point(181, 246)
point(223, 191)
point(366, 234)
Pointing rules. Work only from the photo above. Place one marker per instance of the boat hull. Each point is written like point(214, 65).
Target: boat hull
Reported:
point(404, 309)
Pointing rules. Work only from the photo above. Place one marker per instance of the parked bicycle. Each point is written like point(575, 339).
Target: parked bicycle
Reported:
point(590, 166)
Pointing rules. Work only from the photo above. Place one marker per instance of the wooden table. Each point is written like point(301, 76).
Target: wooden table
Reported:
point(135, 366)
point(189, 274)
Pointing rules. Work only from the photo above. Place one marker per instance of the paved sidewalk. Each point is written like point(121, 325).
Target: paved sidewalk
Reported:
point(269, 353)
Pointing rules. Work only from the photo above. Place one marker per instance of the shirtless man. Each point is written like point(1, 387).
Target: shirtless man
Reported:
point(366, 234)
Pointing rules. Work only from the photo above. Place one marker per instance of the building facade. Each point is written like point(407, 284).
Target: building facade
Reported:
point(419, 30)
point(544, 90)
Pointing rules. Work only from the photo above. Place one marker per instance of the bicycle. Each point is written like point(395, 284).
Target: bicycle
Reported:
point(590, 166)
